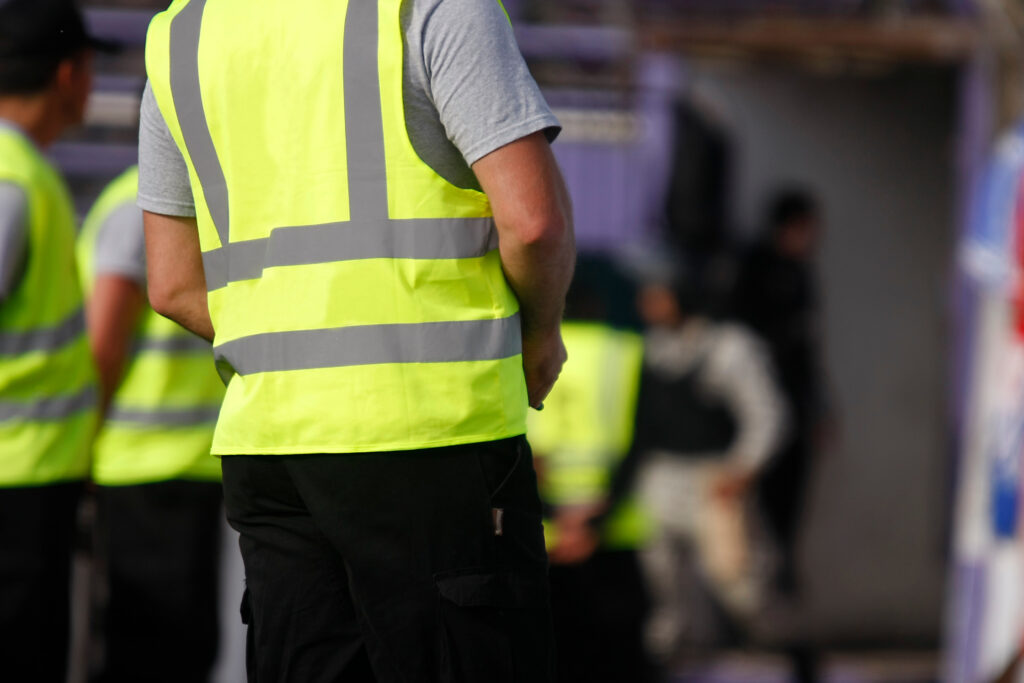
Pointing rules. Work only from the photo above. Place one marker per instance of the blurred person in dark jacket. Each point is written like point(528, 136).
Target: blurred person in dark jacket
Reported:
point(777, 296)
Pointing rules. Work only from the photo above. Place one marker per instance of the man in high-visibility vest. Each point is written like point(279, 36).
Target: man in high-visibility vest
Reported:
point(380, 250)
point(159, 488)
point(585, 430)
point(47, 382)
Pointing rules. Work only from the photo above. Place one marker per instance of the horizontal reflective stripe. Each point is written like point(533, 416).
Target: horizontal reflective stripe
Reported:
point(54, 408)
point(43, 339)
point(182, 344)
point(442, 342)
point(419, 238)
point(166, 417)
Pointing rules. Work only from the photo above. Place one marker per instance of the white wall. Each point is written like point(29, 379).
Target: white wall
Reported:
point(879, 151)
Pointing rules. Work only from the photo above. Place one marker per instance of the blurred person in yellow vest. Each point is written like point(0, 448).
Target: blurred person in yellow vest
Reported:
point(159, 493)
point(47, 381)
point(358, 204)
point(709, 416)
point(586, 428)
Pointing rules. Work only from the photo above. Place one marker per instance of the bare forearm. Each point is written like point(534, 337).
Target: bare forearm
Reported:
point(189, 309)
point(539, 274)
point(112, 315)
point(533, 215)
point(177, 282)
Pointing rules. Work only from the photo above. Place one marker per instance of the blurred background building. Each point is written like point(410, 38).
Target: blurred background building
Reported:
point(901, 117)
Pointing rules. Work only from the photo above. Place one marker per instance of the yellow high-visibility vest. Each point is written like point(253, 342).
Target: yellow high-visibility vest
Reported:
point(47, 379)
point(159, 425)
point(586, 427)
point(357, 296)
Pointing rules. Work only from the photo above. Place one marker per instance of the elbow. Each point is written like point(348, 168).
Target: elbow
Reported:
point(163, 299)
point(546, 231)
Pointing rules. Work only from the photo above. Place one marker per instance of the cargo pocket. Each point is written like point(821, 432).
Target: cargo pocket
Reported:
point(494, 627)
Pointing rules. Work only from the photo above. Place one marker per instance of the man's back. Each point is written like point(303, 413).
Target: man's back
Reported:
point(343, 271)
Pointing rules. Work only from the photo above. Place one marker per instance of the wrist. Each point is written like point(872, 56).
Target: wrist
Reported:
point(540, 330)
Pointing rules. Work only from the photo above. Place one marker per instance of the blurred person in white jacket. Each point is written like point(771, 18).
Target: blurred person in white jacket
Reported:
point(709, 416)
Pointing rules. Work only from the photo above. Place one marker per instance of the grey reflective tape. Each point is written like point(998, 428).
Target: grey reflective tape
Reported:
point(182, 344)
point(48, 409)
point(46, 339)
point(166, 417)
point(425, 238)
point(364, 125)
point(188, 102)
point(441, 342)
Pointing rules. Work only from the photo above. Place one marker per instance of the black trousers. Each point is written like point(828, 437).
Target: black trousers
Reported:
point(37, 529)
point(425, 566)
point(599, 609)
point(160, 546)
point(783, 490)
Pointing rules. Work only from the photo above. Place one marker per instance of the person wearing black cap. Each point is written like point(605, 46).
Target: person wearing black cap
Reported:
point(47, 381)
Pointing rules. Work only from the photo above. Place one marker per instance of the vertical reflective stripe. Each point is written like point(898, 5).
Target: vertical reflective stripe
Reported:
point(364, 124)
point(188, 102)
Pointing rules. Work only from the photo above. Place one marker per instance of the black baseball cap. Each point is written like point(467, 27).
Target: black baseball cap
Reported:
point(35, 36)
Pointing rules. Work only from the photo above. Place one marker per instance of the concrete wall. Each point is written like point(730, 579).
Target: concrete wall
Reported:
point(879, 151)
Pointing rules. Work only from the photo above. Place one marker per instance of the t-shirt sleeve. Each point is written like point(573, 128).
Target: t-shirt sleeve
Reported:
point(164, 185)
point(13, 237)
point(121, 245)
point(479, 81)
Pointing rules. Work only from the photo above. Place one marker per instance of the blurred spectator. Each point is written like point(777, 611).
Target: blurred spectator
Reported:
point(585, 429)
point(47, 388)
point(709, 415)
point(158, 487)
point(777, 296)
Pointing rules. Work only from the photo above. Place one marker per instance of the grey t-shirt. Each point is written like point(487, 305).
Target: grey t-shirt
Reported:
point(13, 237)
point(466, 87)
point(121, 245)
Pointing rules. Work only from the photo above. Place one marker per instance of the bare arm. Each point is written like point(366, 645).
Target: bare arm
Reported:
point(177, 283)
point(533, 214)
point(113, 312)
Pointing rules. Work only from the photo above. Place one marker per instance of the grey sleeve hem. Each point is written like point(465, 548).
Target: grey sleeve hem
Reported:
point(166, 207)
point(164, 185)
point(544, 122)
point(13, 237)
point(120, 247)
point(128, 272)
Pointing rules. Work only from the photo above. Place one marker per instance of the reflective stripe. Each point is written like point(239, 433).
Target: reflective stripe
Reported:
point(47, 339)
point(182, 344)
point(442, 342)
point(364, 123)
point(425, 238)
point(165, 417)
point(56, 408)
point(188, 102)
